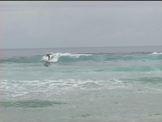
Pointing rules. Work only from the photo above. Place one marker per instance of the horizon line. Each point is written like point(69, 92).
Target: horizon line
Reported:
point(79, 47)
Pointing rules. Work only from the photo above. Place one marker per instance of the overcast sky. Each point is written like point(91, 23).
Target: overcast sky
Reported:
point(43, 24)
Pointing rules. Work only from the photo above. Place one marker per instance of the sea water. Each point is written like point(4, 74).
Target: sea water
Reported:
point(109, 84)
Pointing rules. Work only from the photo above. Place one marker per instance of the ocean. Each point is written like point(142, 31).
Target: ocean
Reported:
point(90, 84)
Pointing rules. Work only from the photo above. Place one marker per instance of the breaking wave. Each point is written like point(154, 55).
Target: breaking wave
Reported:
point(54, 57)
point(99, 57)
point(156, 53)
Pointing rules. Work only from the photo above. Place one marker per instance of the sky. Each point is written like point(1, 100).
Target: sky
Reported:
point(55, 24)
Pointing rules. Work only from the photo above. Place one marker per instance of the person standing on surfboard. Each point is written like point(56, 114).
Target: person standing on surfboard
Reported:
point(47, 63)
point(48, 56)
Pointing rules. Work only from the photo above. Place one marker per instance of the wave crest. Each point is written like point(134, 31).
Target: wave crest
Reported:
point(54, 57)
point(156, 53)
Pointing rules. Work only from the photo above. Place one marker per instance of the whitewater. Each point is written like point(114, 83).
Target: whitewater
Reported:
point(109, 84)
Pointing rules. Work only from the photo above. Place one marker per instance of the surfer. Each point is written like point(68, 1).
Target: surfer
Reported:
point(48, 56)
point(47, 63)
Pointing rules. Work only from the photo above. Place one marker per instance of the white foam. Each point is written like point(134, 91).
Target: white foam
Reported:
point(48, 87)
point(155, 53)
point(55, 56)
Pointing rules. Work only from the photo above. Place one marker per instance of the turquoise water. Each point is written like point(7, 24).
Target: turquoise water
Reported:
point(110, 84)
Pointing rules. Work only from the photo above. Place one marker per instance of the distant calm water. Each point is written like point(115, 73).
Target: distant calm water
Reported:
point(108, 84)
